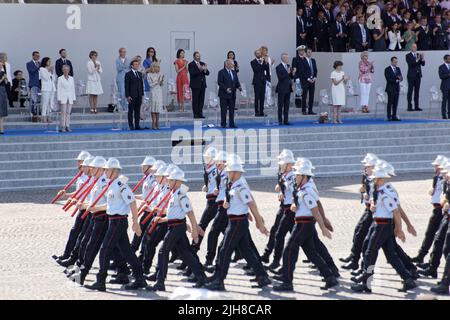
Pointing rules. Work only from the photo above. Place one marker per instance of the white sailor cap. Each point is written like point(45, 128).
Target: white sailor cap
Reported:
point(386, 166)
point(171, 167)
point(234, 158)
point(98, 162)
point(177, 174)
point(112, 163)
point(444, 162)
point(285, 152)
point(148, 161)
point(446, 169)
point(302, 47)
point(87, 161)
point(369, 156)
point(82, 155)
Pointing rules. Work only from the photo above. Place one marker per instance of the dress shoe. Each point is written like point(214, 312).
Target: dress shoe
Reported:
point(66, 263)
point(136, 284)
point(58, 257)
point(187, 272)
point(417, 109)
point(181, 266)
point(304, 113)
point(417, 259)
point(250, 273)
point(409, 109)
point(279, 277)
point(156, 287)
point(274, 266)
point(395, 119)
point(233, 126)
point(265, 257)
point(330, 282)
point(138, 128)
point(287, 124)
point(441, 289)
point(209, 267)
point(216, 285)
point(131, 128)
point(120, 279)
point(202, 117)
point(347, 259)
point(423, 265)
point(444, 117)
point(99, 286)
point(357, 279)
point(284, 286)
point(192, 279)
point(360, 287)
point(357, 272)
point(246, 267)
point(199, 284)
point(408, 284)
point(312, 113)
point(429, 272)
point(307, 261)
point(262, 282)
point(151, 277)
point(352, 265)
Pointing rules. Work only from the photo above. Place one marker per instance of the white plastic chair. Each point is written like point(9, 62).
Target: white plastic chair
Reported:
point(381, 99)
point(324, 100)
point(351, 93)
point(213, 103)
point(435, 98)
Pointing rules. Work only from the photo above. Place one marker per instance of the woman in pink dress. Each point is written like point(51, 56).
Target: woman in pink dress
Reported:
point(181, 67)
point(365, 80)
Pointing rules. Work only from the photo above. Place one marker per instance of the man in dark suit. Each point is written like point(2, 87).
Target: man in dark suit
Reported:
point(297, 64)
point(261, 72)
point(301, 28)
point(338, 34)
point(134, 91)
point(415, 62)
point(284, 89)
point(308, 76)
point(393, 77)
point(61, 62)
point(228, 82)
point(444, 74)
point(198, 71)
point(424, 38)
point(34, 83)
point(321, 35)
point(360, 35)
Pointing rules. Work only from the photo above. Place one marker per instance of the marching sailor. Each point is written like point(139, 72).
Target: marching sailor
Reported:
point(120, 201)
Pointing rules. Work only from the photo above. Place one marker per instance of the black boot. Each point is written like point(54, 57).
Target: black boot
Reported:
point(347, 259)
point(279, 277)
point(136, 284)
point(441, 289)
point(357, 272)
point(156, 287)
point(151, 277)
point(352, 265)
point(414, 274)
point(284, 286)
point(98, 285)
point(418, 258)
point(408, 284)
point(265, 257)
point(67, 262)
point(200, 283)
point(192, 279)
point(120, 279)
point(360, 287)
point(262, 282)
point(182, 266)
point(432, 273)
point(357, 279)
point(216, 285)
point(424, 265)
point(330, 282)
point(274, 266)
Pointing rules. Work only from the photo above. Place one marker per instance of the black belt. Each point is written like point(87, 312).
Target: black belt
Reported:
point(211, 196)
point(175, 222)
point(437, 205)
point(286, 207)
point(99, 214)
point(304, 220)
point(220, 203)
point(382, 220)
point(117, 217)
point(233, 217)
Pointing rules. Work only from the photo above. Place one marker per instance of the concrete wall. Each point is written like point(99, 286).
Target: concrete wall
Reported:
point(105, 28)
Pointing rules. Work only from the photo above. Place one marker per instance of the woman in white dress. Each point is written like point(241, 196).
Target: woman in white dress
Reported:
point(155, 80)
point(338, 80)
point(94, 83)
point(66, 97)
point(48, 88)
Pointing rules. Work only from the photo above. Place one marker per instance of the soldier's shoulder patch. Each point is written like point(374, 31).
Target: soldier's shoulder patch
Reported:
point(119, 183)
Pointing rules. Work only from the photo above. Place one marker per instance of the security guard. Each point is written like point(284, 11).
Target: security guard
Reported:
point(237, 233)
point(303, 235)
point(120, 201)
point(436, 217)
point(99, 219)
point(273, 230)
point(387, 223)
point(285, 189)
point(78, 223)
point(179, 207)
point(221, 220)
point(364, 223)
point(149, 182)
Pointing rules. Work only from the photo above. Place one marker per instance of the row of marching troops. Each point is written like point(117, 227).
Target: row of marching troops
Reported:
point(102, 201)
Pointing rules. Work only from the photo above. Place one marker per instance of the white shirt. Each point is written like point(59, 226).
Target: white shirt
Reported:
point(66, 90)
point(81, 179)
point(47, 80)
point(386, 202)
point(212, 173)
point(394, 39)
point(162, 189)
point(97, 189)
point(93, 73)
point(222, 186)
point(179, 205)
point(148, 184)
point(119, 197)
point(240, 197)
point(288, 179)
point(437, 191)
point(307, 200)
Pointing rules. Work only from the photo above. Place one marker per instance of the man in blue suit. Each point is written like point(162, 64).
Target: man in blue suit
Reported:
point(444, 74)
point(228, 82)
point(122, 67)
point(393, 76)
point(34, 83)
point(284, 89)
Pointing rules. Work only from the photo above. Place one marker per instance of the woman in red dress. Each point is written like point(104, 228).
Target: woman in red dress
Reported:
point(181, 67)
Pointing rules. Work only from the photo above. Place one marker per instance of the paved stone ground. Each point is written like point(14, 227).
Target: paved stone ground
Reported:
point(31, 230)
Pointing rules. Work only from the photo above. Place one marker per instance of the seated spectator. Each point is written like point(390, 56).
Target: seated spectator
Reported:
point(19, 88)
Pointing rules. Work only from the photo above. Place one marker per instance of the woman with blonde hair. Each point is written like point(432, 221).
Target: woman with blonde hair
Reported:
point(155, 80)
point(366, 69)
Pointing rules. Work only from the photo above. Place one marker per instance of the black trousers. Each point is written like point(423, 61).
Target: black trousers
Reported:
point(323, 252)
point(84, 241)
point(227, 105)
point(440, 239)
point(303, 236)
point(382, 237)
point(308, 93)
point(361, 231)
point(432, 228)
point(75, 254)
point(176, 238)
point(413, 85)
point(445, 106)
point(150, 243)
point(134, 112)
point(99, 228)
point(208, 215)
point(260, 95)
point(285, 226)
point(218, 226)
point(136, 242)
point(273, 231)
point(392, 104)
point(73, 234)
point(117, 236)
point(237, 235)
point(198, 101)
point(284, 100)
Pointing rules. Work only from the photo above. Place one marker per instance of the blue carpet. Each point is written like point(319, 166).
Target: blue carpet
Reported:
point(244, 125)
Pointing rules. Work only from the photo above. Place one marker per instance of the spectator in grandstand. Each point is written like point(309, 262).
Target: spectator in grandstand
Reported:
point(94, 83)
point(360, 35)
point(181, 67)
point(301, 28)
point(444, 75)
point(395, 38)
point(61, 62)
point(338, 34)
point(48, 88)
point(231, 55)
point(309, 12)
point(424, 35)
point(66, 96)
point(34, 83)
point(379, 37)
point(439, 34)
point(150, 57)
point(3, 96)
point(409, 36)
point(122, 67)
point(366, 70)
point(321, 35)
point(338, 81)
point(156, 80)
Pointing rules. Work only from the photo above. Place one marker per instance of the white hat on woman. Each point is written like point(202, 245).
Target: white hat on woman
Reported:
point(112, 163)
point(171, 167)
point(161, 170)
point(148, 161)
point(369, 156)
point(285, 159)
point(285, 152)
point(234, 158)
point(157, 164)
point(386, 166)
point(444, 162)
point(83, 155)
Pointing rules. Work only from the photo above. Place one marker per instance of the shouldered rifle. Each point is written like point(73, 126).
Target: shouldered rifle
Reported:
point(205, 176)
point(281, 183)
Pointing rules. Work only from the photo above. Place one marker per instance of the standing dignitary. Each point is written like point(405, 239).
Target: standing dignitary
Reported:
point(62, 61)
point(134, 91)
point(122, 67)
point(228, 82)
point(308, 76)
point(120, 201)
point(34, 83)
point(444, 74)
point(284, 89)
point(198, 71)
point(297, 63)
point(415, 61)
point(393, 76)
point(261, 74)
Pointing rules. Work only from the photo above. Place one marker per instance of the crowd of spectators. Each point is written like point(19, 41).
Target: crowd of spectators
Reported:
point(345, 25)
